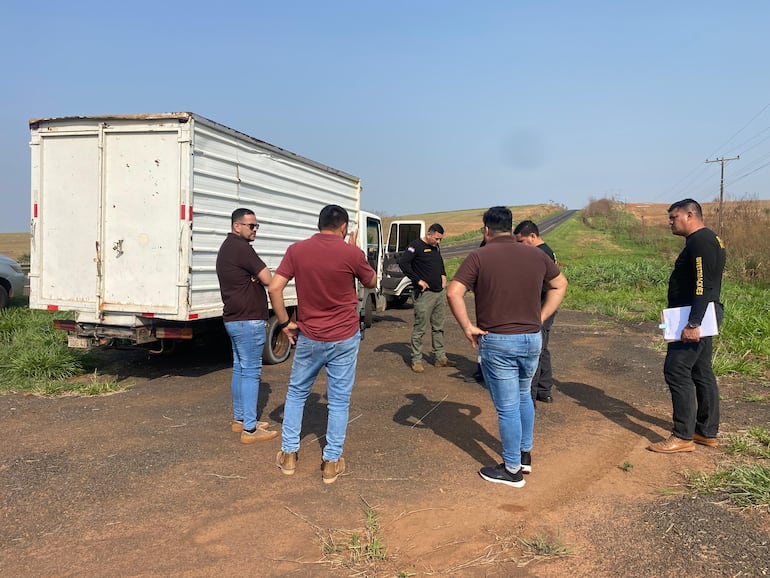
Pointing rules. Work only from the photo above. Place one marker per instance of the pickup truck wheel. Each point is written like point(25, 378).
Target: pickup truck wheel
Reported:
point(369, 312)
point(277, 345)
point(3, 297)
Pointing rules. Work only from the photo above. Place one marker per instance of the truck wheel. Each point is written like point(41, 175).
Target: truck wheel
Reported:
point(3, 297)
point(369, 311)
point(277, 345)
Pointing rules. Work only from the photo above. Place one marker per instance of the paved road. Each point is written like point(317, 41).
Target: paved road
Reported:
point(546, 225)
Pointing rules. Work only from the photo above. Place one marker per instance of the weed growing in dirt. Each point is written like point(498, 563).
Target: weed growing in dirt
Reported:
point(755, 397)
point(626, 466)
point(360, 551)
point(743, 485)
point(94, 384)
point(367, 545)
point(754, 443)
point(541, 546)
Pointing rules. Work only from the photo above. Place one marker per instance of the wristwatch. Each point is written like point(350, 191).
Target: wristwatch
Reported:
point(692, 325)
point(285, 324)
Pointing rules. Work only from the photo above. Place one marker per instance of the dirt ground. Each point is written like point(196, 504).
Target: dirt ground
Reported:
point(151, 482)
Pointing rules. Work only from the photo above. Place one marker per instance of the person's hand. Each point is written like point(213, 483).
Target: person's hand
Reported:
point(292, 332)
point(472, 333)
point(691, 334)
point(423, 285)
point(353, 237)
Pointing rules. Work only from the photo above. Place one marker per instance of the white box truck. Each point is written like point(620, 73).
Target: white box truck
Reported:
point(129, 211)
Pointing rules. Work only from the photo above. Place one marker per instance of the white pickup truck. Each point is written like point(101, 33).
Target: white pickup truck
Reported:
point(397, 287)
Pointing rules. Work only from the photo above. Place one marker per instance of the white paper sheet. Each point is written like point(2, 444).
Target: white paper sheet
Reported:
point(675, 318)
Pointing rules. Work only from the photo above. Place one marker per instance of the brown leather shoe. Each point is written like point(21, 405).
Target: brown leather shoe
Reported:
point(418, 367)
point(237, 426)
point(704, 441)
point(287, 461)
point(671, 445)
point(444, 362)
point(258, 435)
point(331, 470)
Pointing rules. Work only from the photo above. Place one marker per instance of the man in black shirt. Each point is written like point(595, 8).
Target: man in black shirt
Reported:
point(696, 281)
point(423, 264)
point(527, 232)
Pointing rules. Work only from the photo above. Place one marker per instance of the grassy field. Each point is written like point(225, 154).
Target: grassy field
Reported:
point(462, 225)
point(15, 245)
point(611, 274)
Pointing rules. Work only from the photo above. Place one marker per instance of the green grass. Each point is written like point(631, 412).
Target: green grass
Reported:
point(541, 546)
point(623, 275)
point(754, 443)
point(743, 485)
point(34, 357)
point(612, 275)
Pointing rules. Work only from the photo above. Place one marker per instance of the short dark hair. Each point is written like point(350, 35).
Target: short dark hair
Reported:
point(688, 205)
point(238, 214)
point(331, 217)
point(498, 219)
point(526, 228)
point(436, 228)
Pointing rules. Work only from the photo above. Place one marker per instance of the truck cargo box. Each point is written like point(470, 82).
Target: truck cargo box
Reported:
point(129, 211)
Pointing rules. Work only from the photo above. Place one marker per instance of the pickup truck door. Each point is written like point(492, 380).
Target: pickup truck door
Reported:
point(400, 235)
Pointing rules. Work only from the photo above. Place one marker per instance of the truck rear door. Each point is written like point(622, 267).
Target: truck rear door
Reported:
point(140, 237)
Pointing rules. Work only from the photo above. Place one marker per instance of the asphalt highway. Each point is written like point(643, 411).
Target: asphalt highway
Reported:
point(546, 225)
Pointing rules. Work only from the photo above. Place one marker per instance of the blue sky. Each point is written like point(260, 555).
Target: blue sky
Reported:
point(436, 105)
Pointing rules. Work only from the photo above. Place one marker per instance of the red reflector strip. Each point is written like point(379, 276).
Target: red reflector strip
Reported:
point(182, 212)
point(190, 213)
point(53, 308)
point(65, 324)
point(34, 210)
point(193, 316)
point(174, 333)
point(150, 315)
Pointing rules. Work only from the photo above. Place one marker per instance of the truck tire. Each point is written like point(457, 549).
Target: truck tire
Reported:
point(369, 311)
point(277, 345)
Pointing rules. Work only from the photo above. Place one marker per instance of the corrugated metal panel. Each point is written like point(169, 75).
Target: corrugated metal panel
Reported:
point(287, 192)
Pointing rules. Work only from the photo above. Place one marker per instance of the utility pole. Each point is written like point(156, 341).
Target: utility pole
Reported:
point(723, 160)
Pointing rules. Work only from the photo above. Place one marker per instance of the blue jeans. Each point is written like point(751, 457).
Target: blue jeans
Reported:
point(339, 358)
point(248, 341)
point(508, 363)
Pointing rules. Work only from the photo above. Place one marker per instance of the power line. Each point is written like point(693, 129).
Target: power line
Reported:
point(753, 118)
point(693, 177)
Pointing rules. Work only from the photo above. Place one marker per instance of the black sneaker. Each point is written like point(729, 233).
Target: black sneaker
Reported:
point(499, 475)
point(526, 462)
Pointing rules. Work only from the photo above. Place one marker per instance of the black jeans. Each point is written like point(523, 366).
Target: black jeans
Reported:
point(542, 381)
point(694, 389)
